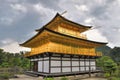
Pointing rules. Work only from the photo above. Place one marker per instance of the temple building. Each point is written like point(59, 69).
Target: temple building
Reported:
point(59, 49)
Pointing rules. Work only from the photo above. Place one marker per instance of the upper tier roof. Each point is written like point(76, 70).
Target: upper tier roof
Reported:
point(58, 18)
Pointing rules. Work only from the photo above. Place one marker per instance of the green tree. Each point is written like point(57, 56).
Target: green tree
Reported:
point(115, 54)
point(107, 64)
point(1, 56)
point(13, 60)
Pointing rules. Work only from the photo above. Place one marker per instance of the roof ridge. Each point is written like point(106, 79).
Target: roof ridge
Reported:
point(57, 14)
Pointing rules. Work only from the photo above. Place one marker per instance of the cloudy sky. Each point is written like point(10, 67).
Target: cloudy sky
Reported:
point(19, 19)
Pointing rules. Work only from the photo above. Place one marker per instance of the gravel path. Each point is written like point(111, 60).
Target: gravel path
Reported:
point(25, 77)
point(95, 79)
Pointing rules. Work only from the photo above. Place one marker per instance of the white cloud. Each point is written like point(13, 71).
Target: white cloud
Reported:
point(43, 10)
point(82, 7)
point(95, 35)
point(19, 7)
point(38, 7)
point(6, 20)
point(89, 20)
point(46, 14)
point(11, 15)
point(13, 1)
point(14, 48)
point(111, 45)
point(7, 41)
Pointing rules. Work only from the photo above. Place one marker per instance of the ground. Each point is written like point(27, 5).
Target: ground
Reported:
point(95, 79)
point(25, 77)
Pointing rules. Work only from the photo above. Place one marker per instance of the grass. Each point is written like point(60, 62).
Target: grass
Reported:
point(6, 75)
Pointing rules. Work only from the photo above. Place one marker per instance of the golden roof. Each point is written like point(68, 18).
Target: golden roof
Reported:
point(30, 41)
point(47, 30)
point(60, 19)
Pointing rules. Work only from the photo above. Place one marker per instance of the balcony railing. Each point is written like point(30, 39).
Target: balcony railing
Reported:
point(99, 54)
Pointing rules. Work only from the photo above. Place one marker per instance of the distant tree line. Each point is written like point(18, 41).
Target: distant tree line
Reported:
point(113, 53)
point(11, 60)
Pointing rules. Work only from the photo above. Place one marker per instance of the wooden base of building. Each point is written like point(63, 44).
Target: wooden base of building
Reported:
point(32, 73)
point(58, 64)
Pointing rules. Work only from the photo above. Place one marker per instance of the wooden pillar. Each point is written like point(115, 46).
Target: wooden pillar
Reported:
point(95, 64)
point(71, 63)
point(43, 63)
point(30, 65)
point(61, 62)
point(84, 64)
point(89, 68)
point(79, 64)
point(49, 64)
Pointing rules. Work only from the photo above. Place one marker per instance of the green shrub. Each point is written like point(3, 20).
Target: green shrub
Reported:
point(107, 75)
point(48, 78)
point(114, 78)
point(64, 78)
point(6, 76)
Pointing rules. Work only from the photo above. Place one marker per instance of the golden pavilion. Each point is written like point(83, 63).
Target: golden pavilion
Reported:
point(59, 49)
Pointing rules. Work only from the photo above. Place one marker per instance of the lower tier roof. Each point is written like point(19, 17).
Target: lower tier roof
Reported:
point(25, 44)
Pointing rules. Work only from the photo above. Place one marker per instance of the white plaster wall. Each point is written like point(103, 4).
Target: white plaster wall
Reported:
point(39, 66)
point(65, 59)
point(68, 69)
point(55, 70)
point(74, 69)
point(92, 62)
point(87, 63)
point(87, 68)
point(65, 63)
point(75, 58)
point(93, 68)
point(40, 59)
point(82, 68)
point(46, 66)
point(57, 58)
point(55, 63)
point(75, 63)
point(81, 63)
point(46, 58)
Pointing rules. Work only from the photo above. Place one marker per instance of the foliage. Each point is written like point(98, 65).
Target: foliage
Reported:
point(113, 58)
point(5, 75)
point(64, 78)
point(5, 64)
point(107, 75)
point(48, 78)
point(114, 78)
point(115, 54)
point(13, 60)
point(107, 64)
